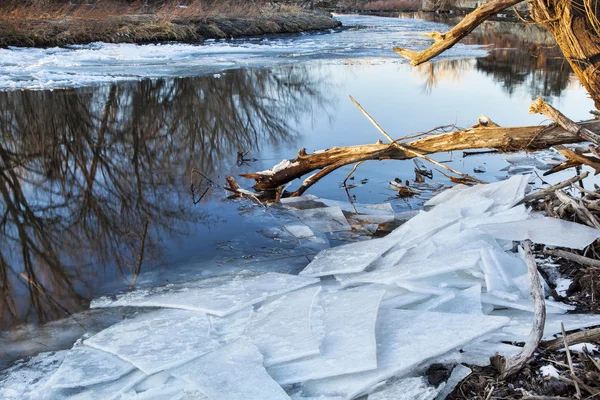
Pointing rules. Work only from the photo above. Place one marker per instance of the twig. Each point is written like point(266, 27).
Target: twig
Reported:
point(514, 364)
point(544, 192)
point(407, 150)
point(573, 257)
point(566, 344)
point(476, 153)
point(351, 172)
point(489, 395)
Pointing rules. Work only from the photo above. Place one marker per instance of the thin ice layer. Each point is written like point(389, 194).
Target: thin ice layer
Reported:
point(431, 334)
point(220, 295)
point(112, 390)
point(459, 373)
point(349, 343)
point(545, 230)
point(233, 372)
point(157, 340)
point(405, 389)
point(416, 270)
point(466, 301)
point(281, 328)
point(327, 219)
point(85, 366)
point(229, 328)
point(349, 258)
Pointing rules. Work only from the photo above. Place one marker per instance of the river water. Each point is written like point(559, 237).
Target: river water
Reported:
point(99, 140)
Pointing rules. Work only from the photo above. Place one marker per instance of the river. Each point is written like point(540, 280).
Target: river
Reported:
point(98, 140)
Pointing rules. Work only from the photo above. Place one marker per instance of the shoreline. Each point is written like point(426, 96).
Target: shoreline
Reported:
point(145, 29)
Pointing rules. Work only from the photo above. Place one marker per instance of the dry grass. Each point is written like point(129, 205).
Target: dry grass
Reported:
point(46, 23)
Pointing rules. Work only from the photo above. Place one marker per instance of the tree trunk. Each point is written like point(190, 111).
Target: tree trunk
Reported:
point(576, 28)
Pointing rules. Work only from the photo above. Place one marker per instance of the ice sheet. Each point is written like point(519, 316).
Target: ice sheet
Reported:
point(432, 334)
point(459, 373)
point(299, 230)
point(349, 344)
point(233, 372)
point(349, 258)
point(466, 301)
point(525, 305)
point(405, 389)
point(157, 340)
point(545, 230)
point(478, 353)
point(416, 270)
point(85, 366)
point(281, 328)
point(220, 295)
point(229, 328)
point(112, 390)
point(327, 219)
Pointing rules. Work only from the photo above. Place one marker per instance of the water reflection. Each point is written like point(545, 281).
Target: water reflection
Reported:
point(83, 171)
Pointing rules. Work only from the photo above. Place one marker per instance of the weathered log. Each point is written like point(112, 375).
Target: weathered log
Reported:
point(528, 138)
point(443, 41)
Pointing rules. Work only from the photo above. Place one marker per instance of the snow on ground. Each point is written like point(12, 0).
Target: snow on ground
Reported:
point(449, 285)
point(101, 63)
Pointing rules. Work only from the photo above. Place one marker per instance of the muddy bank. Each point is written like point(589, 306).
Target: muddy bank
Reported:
point(154, 29)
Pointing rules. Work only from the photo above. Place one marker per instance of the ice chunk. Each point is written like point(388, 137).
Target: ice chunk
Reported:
point(549, 370)
point(420, 287)
point(112, 390)
point(545, 230)
point(389, 259)
point(157, 340)
point(281, 328)
point(416, 270)
point(459, 373)
point(349, 258)
point(299, 230)
point(85, 366)
point(349, 343)
point(233, 372)
point(517, 213)
point(434, 303)
point(405, 389)
point(464, 302)
point(431, 334)
point(172, 389)
point(219, 295)
point(373, 219)
point(229, 328)
point(27, 379)
point(328, 219)
point(525, 305)
point(478, 353)
point(404, 300)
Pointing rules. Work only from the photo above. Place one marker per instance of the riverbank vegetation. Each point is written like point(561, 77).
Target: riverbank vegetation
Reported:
point(45, 23)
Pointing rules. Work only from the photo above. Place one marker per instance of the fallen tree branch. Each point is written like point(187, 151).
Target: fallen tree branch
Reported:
point(574, 159)
point(516, 363)
point(592, 335)
point(443, 41)
point(540, 194)
point(528, 138)
point(573, 257)
point(583, 213)
point(570, 360)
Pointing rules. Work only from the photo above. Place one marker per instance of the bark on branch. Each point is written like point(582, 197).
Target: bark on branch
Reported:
point(443, 41)
point(541, 107)
point(528, 138)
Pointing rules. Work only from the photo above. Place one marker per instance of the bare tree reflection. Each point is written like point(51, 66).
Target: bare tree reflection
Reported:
point(83, 171)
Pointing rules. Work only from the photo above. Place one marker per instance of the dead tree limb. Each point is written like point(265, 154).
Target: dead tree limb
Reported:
point(443, 41)
point(592, 335)
point(540, 194)
point(590, 262)
point(530, 138)
point(541, 107)
point(514, 364)
point(574, 159)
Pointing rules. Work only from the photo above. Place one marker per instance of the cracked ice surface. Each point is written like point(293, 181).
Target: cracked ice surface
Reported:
point(157, 340)
point(349, 344)
point(85, 366)
point(220, 295)
point(233, 372)
point(405, 339)
point(290, 313)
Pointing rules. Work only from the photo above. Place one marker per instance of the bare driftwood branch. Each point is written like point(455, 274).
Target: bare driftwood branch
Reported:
point(573, 257)
point(514, 364)
point(582, 212)
point(574, 159)
point(540, 194)
point(541, 107)
point(570, 360)
point(443, 41)
point(528, 138)
point(592, 335)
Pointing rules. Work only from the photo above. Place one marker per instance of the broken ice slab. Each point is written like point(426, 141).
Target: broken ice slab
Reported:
point(517, 213)
point(405, 389)
point(349, 258)
point(466, 301)
point(552, 307)
point(157, 340)
point(328, 219)
point(349, 339)
point(112, 390)
point(368, 209)
point(299, 231)
point(499, 268)
point(233, 372)
point(172, 389)
point(85, 366)
point(459, 373)
point(281, 328)
point(404, 300)
point(372, 219)
point(420, 287)
point(433, 303)
point(229, 328)
point(416, 270)
point(520, 324)
point(431, 334)
point(220, 295)
point(478, 353)
point(545, 230)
